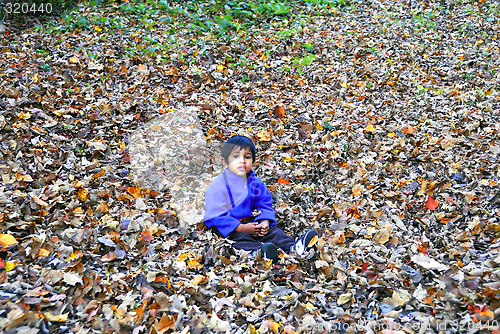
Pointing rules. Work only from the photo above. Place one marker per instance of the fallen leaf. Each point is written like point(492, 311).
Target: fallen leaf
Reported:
point(431, 204)
point(428, 263)
point(72, 279)
point(278, 111)
point(263, 135)
point(7, 241)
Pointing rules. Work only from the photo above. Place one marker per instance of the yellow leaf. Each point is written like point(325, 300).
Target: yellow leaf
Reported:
point(9, 265)
point(74, 60)
point(82, 194)
point(197, 280)
point(56, 318)
point(43, 252)
point(194, 264)
point(220, 68)
point(370, 128)
point(344, 298)
point(183, 257)
point(264, 135)
point(392, 134)
point(7, 241)
point(382, 236)
point(343, 84)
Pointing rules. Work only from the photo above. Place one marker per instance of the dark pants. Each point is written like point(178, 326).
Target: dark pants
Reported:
point(248, 242)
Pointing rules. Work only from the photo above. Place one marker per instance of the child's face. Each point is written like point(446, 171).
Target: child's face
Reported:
point(240, 161)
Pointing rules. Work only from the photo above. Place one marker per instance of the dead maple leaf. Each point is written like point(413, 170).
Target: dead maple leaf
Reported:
point(431, 204)
point(166, 322)
point(197, 280)
point(146, 235)
point(103, 207)
point(278, 111)
point(283, 181)
point(83, 194)
point(480, 312)
point(264, 135)
point(134, 191)
point(409, 130)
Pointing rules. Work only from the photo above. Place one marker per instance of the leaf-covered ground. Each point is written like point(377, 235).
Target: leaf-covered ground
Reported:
point(376, 123)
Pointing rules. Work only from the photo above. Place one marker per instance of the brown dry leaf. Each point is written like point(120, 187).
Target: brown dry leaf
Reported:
point(198, 279)
point(103, 207)
point(165, 323)
point(39, 201)
point(109, 257)
point(382, 236)
point(409, 130)
point(278, 111)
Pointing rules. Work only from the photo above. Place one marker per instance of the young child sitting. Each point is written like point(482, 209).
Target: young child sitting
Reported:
point(240, 207)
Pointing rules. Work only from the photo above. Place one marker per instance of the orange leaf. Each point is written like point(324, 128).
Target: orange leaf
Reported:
point(103, 207)
point(197, 280)
point(431, 204)
point(278, 112)
point(7, 241)
point(124, 197)
point(43, 253)
point(422, 249)
point(193, 263)
point(83, 194)
point(409, 130)
point(146, 235)
point(356, 190)
point(428, 300)
point(139, 312)
point(283, 181)
point(274, 326)
point(98, 175)
point(134, 191)
point(109, 257)
point(166, 322)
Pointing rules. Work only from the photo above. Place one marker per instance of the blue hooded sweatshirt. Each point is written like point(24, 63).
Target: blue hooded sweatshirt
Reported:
point(230, 198)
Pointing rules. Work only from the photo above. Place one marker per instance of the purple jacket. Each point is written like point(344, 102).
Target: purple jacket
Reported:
point(226, 205)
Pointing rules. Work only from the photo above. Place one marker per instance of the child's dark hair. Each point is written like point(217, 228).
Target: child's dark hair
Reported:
point(237, 141)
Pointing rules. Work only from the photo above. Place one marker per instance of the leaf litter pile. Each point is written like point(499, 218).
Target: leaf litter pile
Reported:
point(376, 123)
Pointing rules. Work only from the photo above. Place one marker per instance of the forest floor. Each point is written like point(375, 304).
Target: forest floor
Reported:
point(376, 123)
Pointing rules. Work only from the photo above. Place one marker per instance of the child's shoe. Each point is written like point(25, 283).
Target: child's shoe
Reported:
point(305, 242)
point(270, 252)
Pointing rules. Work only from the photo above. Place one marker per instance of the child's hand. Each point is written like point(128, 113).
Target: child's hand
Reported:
point(254, 229)
point(264, 227)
